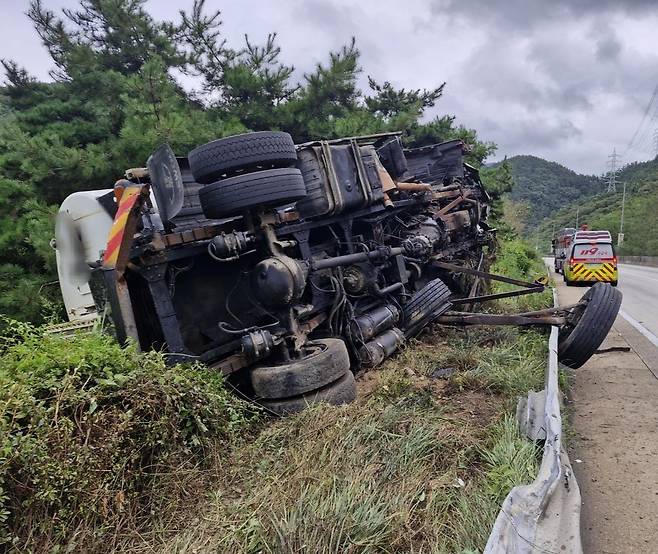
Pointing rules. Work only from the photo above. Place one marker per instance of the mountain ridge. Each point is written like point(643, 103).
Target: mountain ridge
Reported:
point(545, 187)
point(603, 211)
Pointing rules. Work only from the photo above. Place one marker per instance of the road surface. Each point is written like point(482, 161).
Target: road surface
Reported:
point(640, 287)
point(613, 410)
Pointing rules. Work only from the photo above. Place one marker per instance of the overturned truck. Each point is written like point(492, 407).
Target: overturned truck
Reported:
point(290, 267)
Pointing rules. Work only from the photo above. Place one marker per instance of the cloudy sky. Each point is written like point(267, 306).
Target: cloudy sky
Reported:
point(568, 80)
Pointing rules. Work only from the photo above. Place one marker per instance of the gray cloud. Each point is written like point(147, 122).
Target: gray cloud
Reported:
point(525, 15)
point(567, 80)
point(608, 48)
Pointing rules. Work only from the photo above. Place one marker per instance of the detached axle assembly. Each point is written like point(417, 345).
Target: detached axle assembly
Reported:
point(547, 317)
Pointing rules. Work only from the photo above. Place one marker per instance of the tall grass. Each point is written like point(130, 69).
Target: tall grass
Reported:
point(517, 259)
point(407, 469)
point(398, 478)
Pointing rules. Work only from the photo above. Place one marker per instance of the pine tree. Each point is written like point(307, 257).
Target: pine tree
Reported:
point(390, 103)
point(114, 98)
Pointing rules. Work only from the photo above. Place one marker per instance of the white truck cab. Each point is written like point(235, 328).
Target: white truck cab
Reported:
point(81, 230)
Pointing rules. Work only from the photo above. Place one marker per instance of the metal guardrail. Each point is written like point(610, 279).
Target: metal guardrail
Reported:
point(651, 261)
point(543, 516)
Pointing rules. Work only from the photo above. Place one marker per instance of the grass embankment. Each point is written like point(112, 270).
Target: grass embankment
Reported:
point(106, 449)
point(99, 443)
point(417, 464)
point(517, 259)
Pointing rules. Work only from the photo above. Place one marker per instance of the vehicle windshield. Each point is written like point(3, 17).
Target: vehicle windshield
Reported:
point(589, 251)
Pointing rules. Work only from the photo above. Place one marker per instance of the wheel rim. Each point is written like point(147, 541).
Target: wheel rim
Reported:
point(574, 318)
point(309, 351)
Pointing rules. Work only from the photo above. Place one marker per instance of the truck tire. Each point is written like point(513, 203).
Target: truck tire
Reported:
point(268, 188)
point(425, 305)
point(578, 341)
point(341, 391)
point(210, 161)
point(326, 361)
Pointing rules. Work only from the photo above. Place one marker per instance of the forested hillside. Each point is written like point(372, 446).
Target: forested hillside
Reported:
point(113, 98)
point(542, 187)
point(604, 212)
point(546, 196)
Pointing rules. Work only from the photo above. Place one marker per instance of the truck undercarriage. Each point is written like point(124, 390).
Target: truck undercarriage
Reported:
point(291, 267)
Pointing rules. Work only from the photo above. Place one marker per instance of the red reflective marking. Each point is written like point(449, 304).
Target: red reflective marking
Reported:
point(113, 243)
point(125, 206)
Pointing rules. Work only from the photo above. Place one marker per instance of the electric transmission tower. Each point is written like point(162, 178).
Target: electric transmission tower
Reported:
point(655, 142)
point(613, 168)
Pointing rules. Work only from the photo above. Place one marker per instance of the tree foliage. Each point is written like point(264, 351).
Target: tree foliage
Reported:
point(116, 94)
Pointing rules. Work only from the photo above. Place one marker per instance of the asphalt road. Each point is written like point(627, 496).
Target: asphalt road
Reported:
point(613, 412)
point(640, 304)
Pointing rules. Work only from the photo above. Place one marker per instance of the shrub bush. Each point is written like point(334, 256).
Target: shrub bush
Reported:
point(96, 438)
point(517, 259)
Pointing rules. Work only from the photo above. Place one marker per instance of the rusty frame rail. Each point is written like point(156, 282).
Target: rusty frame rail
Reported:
point(546, 317)
point(528, 288)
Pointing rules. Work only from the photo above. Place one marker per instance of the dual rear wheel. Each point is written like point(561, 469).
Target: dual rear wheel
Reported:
point(245, 172)
point(321, 374)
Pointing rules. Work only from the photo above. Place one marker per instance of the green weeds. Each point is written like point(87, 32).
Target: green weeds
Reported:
point(417, 465)
point(516, 259)
point(96, 441)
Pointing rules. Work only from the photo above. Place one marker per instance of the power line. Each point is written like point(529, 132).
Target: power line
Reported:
point(652, 104)
point(645, 140)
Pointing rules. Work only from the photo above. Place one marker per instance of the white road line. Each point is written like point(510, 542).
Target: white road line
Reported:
point(641, 328)
point(648, 275)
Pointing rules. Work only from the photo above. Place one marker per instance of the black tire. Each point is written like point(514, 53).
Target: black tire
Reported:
point(272, 187)
point(426, 305)
point(326, 361)
point(341, 391)
point(614, 283)
point(210, 161)
point(578, 341)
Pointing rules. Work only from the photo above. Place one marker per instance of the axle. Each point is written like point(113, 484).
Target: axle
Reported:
point(542, 318)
